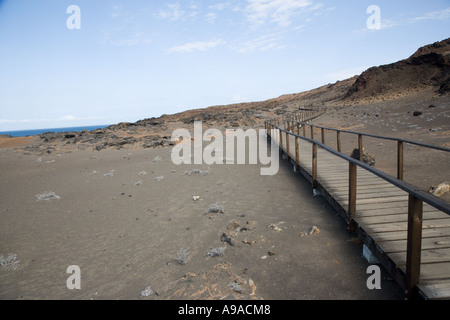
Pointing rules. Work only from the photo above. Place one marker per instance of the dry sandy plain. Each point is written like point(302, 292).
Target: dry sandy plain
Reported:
point(128, 218)
point(127, 231)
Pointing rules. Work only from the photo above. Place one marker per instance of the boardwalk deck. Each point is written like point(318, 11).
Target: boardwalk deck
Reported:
point(381, 216)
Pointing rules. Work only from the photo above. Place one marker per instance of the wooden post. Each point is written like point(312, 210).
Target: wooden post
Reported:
point(322, 131)
point(312, 132)
point(360, 146)
point(352, 196)
point(297, 153)
point(304, 129)
point(400, 160)
point(338, 141)
point(298, 128)
point(414, 244)
point(314, 166)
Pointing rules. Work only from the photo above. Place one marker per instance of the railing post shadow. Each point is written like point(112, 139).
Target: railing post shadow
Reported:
point(414, 244)
point(314, 168)
point(352, 196)
point(338, 138)
point(400, 160)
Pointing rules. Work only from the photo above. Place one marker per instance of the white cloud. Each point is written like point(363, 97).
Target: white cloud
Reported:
point(197, 46)
point(435, 15)
point(174, 12)
point(281, 12)
point(262, 43)
point(211, 17)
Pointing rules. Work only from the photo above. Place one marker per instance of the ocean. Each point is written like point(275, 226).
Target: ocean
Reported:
point(25, 133)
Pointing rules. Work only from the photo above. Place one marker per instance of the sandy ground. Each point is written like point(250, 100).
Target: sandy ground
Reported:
point(129, 232)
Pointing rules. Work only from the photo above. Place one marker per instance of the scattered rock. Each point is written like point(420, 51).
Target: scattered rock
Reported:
point(46, 196)
point(236, 287)
point(276, 227)
point(147, 292)
point(233, 226)
point(216, 252)
point(367, 157)
point(314, 230)
point(227, 239)
point(11, 262)
point(440, 190)
point(271, 253)
point(417, 113)
point(215, 208)
point(182, 257)
point(196, 198)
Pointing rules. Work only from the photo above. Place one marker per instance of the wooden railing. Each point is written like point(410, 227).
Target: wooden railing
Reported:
point(293, 123)
point(416, 197)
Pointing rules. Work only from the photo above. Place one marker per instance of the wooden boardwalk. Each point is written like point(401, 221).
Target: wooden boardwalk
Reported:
point(380, 216)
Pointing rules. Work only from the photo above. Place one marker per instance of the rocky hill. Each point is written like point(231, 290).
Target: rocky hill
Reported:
point(428, 67)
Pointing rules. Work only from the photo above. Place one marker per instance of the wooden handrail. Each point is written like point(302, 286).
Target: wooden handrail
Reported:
point(420, 194)
point(420, 144)
point(400, 142)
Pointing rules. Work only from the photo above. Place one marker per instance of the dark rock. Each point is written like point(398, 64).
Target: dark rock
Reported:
point(417, 113)
point(367, 158)
point(227, 239)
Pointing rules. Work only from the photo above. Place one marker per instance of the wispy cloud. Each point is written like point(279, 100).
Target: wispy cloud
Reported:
point(281, 12)
point(435, 15)
point(211, 17)
point(196, 46)
point(174, 12)
point(262, 43)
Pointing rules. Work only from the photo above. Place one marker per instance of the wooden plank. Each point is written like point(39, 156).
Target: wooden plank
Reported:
point(435, 271)
point(368, 193)
point(402, 235)
point(389, 211)
point(428, 256)
point(388, 227)
point(436, 291)
point(374, 200)
point(401, 217)
point(396, 204)
point(435, 243)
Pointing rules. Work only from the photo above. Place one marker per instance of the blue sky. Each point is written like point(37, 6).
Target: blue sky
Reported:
point(138, 59)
